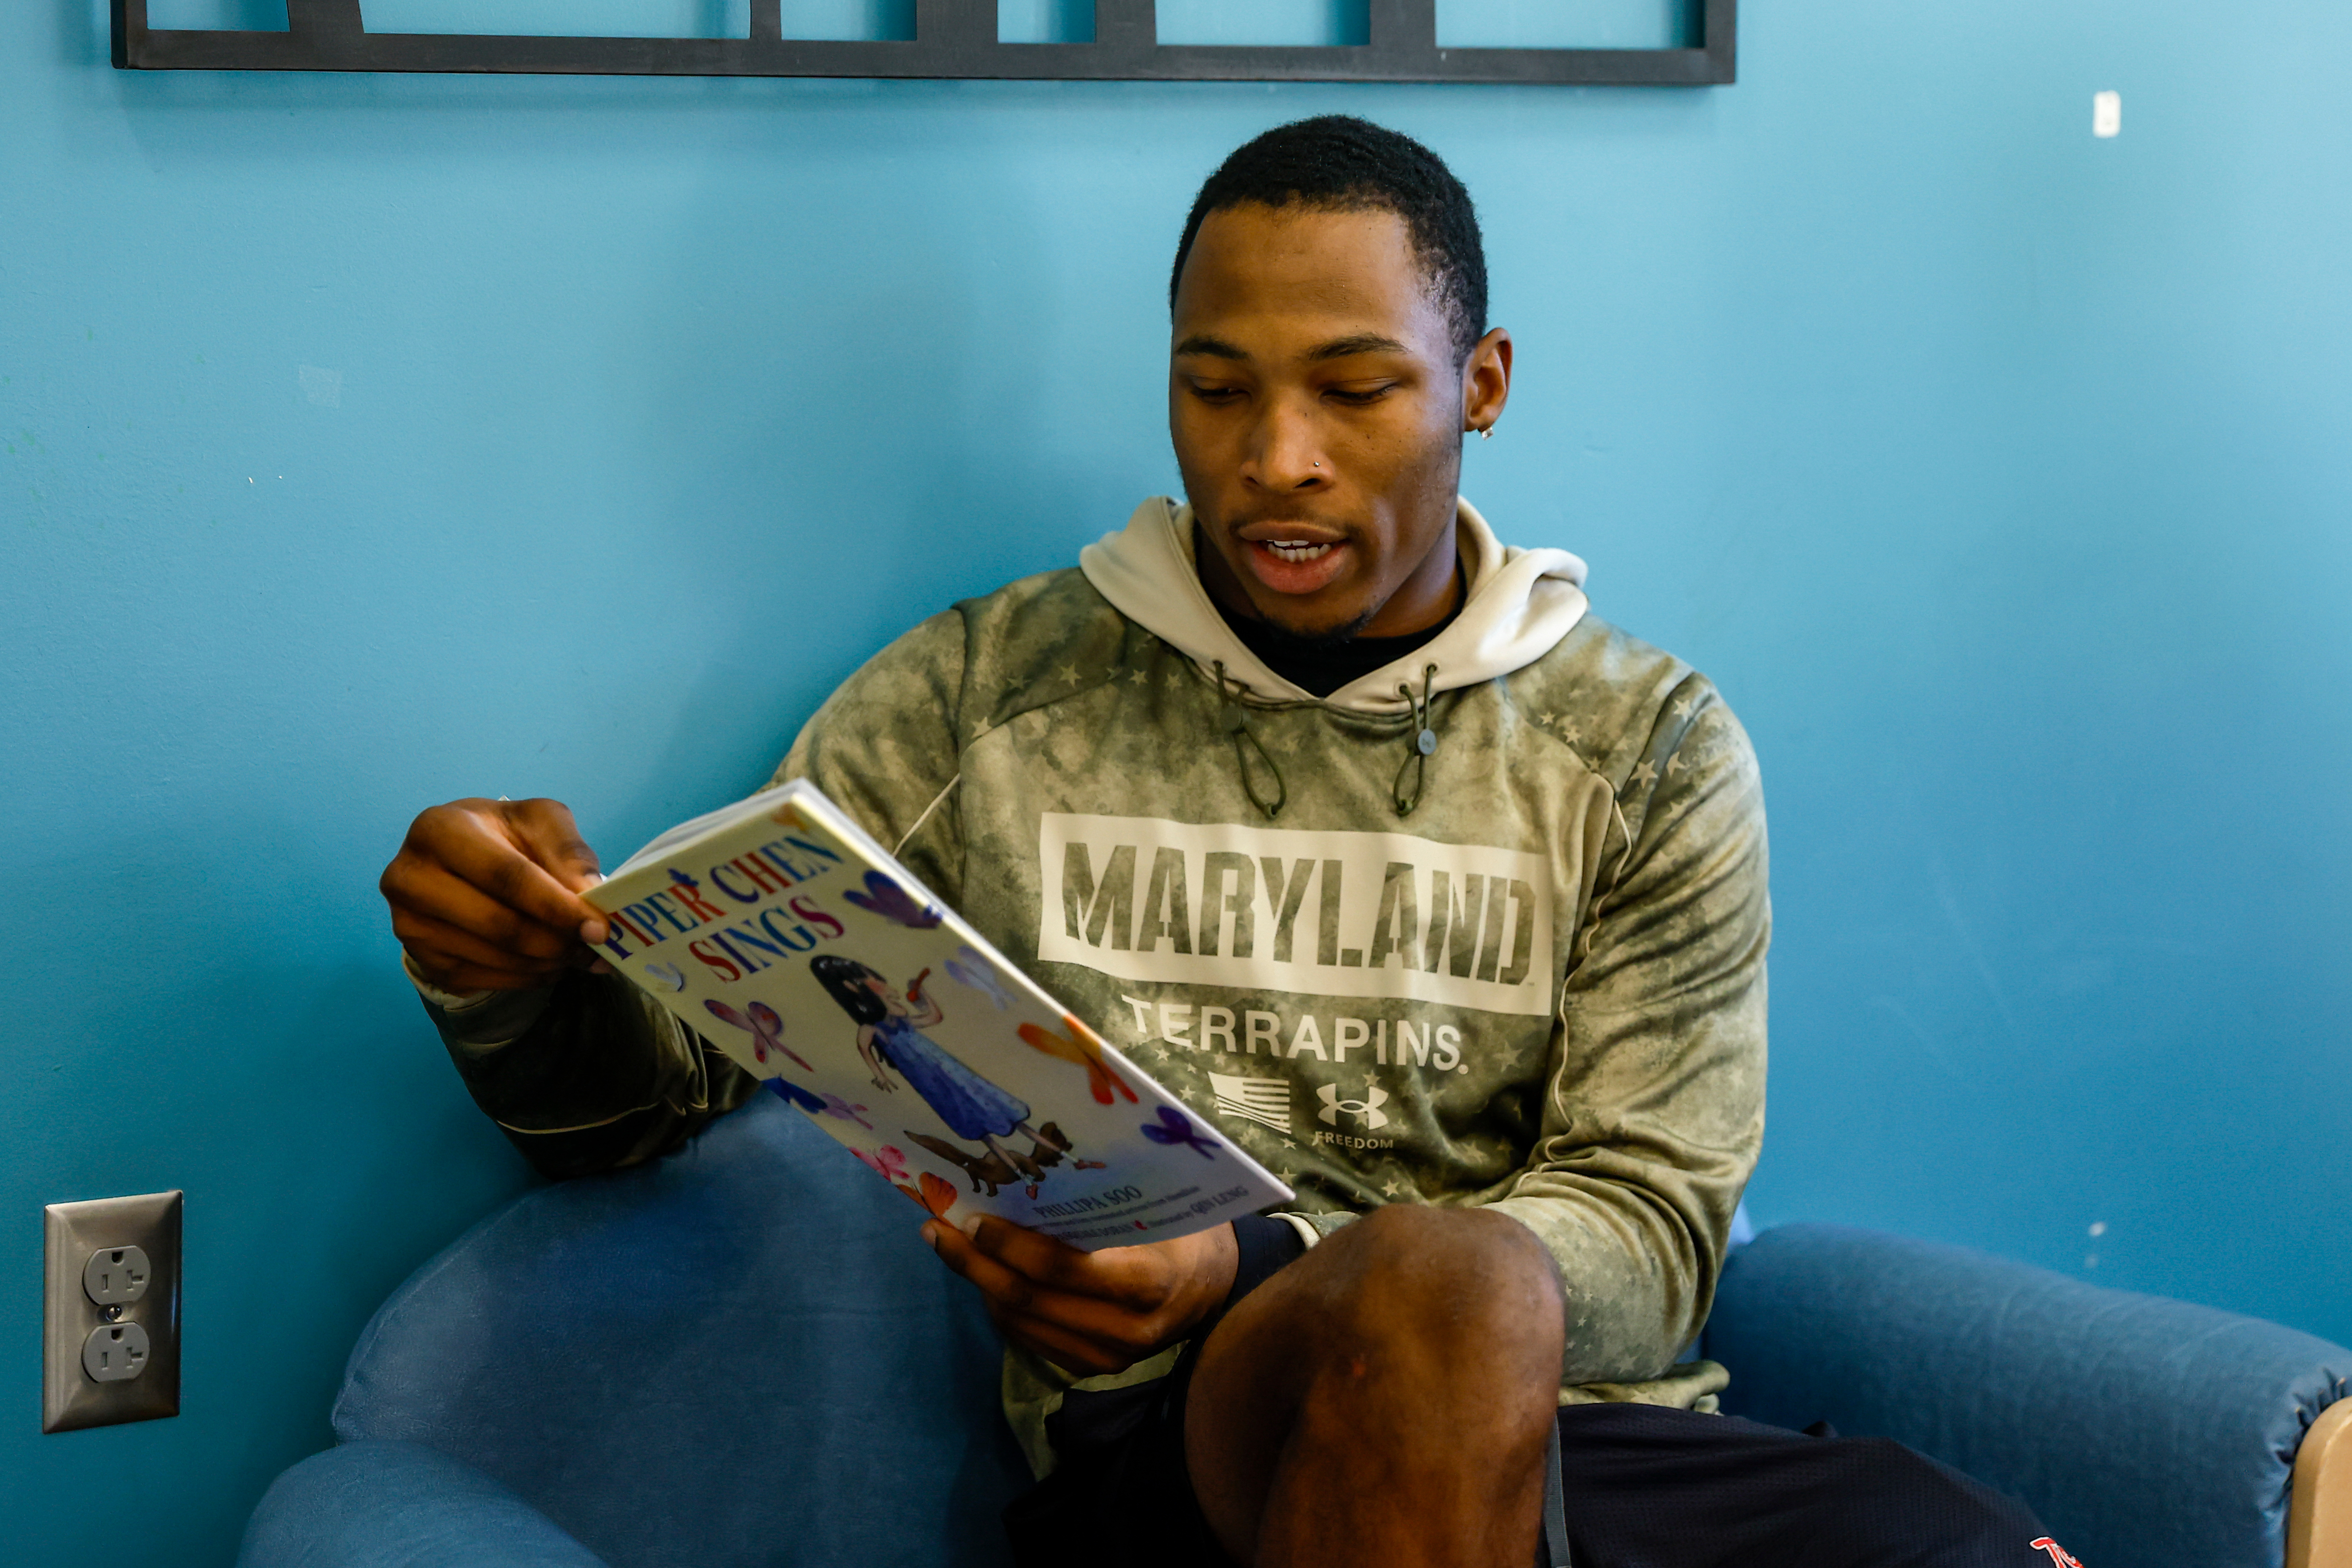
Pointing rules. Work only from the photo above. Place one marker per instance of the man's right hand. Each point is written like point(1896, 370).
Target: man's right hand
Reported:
point(485, 894)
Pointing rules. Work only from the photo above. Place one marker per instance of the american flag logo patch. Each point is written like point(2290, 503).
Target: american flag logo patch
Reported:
point(1265, 1100)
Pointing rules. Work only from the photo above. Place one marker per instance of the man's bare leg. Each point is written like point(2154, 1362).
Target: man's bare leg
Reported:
point(1387, 1399)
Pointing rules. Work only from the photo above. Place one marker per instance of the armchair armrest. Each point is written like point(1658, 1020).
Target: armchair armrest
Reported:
point(2140, 1429)
point(2319, 1525)
point(383, 1504)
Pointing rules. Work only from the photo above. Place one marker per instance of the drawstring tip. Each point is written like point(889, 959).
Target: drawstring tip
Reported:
point(1424, 745)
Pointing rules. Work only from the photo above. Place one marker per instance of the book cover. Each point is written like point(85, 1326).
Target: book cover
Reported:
point(780, 931)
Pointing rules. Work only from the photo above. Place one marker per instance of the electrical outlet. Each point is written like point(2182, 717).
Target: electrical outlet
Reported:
point(115, 1352)
point(117, 1276)
point(111, 1313)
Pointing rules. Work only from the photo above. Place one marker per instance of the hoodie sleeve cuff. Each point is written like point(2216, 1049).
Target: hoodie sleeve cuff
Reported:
point(1308, 1235)
point(477, 1022)
point(447, 1001)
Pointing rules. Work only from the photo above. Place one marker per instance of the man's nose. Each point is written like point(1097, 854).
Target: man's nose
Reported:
point(1288, 454)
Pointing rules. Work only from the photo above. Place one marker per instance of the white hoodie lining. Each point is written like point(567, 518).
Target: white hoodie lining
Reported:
point(1519, 604)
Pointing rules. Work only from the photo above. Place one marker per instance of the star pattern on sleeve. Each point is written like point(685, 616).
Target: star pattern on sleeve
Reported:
point(1141, 678)
point(1644, 776)
point(1680, 707)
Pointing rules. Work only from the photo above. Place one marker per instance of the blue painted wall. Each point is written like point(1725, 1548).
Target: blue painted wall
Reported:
point(368, 441)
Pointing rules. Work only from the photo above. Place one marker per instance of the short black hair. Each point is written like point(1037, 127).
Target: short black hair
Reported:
point(1340, 162)
point(844, 980)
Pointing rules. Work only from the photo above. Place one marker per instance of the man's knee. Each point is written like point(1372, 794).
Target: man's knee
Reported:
point(1413, 1355)
point(1455, 1285)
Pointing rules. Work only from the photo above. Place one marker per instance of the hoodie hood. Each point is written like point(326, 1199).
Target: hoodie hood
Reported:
point(1520, 604)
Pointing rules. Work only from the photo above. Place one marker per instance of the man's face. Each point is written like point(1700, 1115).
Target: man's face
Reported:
point(1316, 409)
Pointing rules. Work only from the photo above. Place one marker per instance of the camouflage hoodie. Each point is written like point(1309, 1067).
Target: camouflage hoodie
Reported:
point(1484, 926)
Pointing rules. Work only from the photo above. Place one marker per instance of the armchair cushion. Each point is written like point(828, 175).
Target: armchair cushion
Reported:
point(2143, 1431)
point(400, 1505)
point(739, 1354)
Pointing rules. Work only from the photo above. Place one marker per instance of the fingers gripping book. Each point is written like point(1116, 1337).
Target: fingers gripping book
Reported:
point(778, 930)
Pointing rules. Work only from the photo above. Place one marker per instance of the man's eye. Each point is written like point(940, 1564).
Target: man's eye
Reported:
point(1210, 393)
point(1357, 397)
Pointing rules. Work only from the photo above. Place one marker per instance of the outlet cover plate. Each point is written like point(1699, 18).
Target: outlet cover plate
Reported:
point(70, 1397)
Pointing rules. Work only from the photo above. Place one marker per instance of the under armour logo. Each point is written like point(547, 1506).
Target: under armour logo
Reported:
point(1368, 1110)
point(2058, 1554)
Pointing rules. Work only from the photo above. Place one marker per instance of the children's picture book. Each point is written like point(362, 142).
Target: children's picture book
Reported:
point(777, 929)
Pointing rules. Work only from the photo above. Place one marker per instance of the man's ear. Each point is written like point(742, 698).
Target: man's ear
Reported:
point(1487, 381)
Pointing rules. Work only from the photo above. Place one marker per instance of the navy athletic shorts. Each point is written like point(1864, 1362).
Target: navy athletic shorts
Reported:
point(1638, 1487)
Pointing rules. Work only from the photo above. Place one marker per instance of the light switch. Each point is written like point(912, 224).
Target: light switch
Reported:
point(2106, 114)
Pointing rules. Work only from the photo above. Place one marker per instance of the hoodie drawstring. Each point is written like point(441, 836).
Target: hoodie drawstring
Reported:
point(1425, 742)
point(1233, 720)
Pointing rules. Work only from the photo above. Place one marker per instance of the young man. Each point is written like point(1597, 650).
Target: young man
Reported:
point(1445, 898)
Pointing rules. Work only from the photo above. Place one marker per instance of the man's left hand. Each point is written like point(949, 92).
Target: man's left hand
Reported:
point(1091, 1312)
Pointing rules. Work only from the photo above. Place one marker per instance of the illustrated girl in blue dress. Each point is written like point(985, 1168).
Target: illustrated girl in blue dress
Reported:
point(890, 1034)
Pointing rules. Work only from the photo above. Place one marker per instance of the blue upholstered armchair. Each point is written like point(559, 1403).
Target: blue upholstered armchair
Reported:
point(743, 1355)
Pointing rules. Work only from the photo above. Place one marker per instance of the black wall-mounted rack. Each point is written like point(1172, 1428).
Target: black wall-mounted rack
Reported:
point(953, 39)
